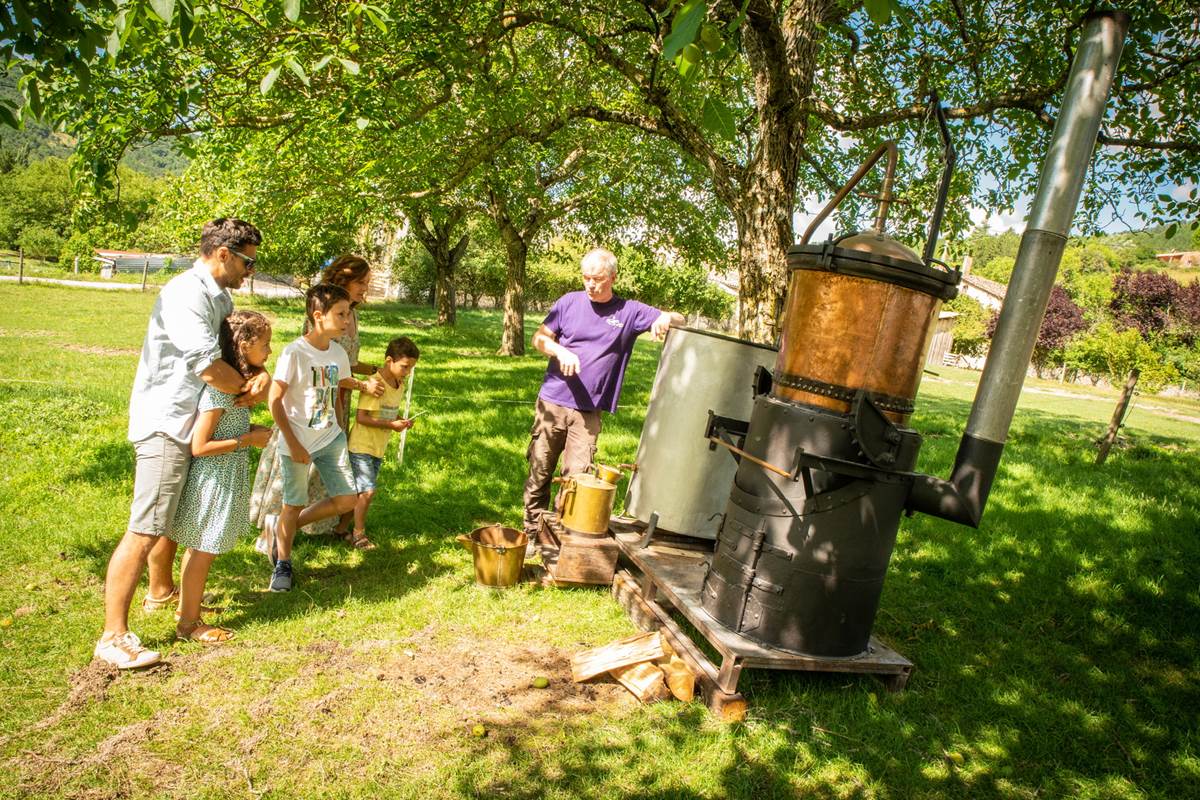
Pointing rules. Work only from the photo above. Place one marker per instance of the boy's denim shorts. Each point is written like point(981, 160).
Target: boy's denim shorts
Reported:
point(333, 464)
point(366, 470)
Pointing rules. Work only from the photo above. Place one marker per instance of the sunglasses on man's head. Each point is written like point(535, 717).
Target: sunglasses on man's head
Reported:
point(250, 262)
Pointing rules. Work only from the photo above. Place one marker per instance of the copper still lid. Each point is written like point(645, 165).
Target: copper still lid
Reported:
point(879, 244)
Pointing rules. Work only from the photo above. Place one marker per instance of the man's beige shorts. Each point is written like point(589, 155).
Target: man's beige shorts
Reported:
point(159, 475)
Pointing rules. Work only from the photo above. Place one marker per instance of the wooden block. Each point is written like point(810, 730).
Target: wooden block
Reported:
point(586, 559)
point(680, 679)
point(729, 707)
point(621, 653)
point(547, 535)
point(645, 680)
point(626, 594)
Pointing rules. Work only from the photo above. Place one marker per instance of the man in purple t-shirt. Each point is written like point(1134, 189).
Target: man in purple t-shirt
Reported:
point(589, 337)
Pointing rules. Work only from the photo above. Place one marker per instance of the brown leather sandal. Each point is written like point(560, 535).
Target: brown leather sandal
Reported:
point(198, 631)
point(358, 540)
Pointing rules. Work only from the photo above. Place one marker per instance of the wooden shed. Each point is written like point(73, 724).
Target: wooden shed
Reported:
point(943, 339)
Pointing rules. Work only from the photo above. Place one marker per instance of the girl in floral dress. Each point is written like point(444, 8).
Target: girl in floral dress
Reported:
point(214, 511)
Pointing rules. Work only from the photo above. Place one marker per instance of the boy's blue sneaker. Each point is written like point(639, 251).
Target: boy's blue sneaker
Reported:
point(281, 578)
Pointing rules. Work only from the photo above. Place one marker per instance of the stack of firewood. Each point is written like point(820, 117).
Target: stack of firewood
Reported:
point(645, 664)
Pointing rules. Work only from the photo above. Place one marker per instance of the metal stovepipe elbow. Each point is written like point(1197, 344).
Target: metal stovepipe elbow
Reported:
point(964, 495)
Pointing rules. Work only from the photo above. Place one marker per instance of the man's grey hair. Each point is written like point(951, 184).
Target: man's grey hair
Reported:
point(599, 257)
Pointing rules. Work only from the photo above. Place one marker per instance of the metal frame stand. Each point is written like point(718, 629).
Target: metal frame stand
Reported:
point(660, 578)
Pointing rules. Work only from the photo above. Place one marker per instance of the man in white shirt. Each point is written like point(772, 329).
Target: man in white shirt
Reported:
point(180, 354)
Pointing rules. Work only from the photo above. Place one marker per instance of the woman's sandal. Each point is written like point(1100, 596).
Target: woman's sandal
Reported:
point(198, 631)
point(357, 539)
point(152, 604)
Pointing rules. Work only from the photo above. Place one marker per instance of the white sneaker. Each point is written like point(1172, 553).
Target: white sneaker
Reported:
point(125, 651)
point(265, 543)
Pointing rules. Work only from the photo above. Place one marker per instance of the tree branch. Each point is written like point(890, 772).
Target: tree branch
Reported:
point(673, 124)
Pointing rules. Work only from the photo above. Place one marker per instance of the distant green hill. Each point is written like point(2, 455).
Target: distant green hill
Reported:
point(37, 141)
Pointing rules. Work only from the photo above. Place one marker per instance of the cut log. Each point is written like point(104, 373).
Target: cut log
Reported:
point(621, 653)
point(645, 680)
point(680, 679)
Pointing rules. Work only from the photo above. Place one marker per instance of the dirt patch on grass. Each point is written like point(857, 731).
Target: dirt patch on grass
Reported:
point(121, 765)
point(341, 708)
point(29, 334)
point(88, 685)
point(483, 677)
point(97, 350)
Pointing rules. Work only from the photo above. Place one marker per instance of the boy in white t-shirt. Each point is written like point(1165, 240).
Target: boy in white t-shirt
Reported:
point(303, 401)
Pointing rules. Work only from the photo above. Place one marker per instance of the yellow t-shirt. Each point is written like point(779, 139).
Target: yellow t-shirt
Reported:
point(373, 441)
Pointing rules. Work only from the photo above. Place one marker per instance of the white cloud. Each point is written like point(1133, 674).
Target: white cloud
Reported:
point(801, 220)
point(1181, 192)
point(999, 222)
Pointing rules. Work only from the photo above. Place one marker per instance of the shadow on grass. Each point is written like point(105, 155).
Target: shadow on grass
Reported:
point(1055, 647)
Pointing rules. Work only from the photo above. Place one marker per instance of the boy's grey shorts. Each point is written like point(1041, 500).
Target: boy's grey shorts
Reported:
point(160, 472)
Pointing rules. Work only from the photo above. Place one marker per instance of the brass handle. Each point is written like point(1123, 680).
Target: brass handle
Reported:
point(752, 459)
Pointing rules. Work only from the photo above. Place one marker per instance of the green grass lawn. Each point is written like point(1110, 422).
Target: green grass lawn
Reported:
point(1056, 648)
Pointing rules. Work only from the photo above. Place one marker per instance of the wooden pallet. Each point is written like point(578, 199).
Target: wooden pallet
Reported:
point(662, 578)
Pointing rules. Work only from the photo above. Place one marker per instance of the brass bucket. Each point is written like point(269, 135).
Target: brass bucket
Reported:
point(498, 553)
point(586, 503)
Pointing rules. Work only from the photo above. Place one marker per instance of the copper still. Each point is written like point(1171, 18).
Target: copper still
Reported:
point(826, 464)
point(825, 460)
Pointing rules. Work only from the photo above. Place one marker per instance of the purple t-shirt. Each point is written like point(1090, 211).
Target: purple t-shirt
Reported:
point(602, 335)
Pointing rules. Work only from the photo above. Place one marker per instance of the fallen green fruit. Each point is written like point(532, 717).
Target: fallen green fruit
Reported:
point(541, 683)
point(479, 731)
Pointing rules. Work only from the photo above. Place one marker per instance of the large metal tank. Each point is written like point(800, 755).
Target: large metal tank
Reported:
point(678, 476)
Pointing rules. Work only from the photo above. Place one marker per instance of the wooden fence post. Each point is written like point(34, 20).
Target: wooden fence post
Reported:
point(145, 270)
point(76, 270)
point(1118, 417)
point(20, 265)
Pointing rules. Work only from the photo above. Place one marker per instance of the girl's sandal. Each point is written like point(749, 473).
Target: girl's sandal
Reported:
point(204, 634)
point(358, 540)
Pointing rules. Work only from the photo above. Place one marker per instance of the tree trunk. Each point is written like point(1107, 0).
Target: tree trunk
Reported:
point(512, 339)
point(434, 233)
point(764, 230)
point(1118, 417)
point(516, 254)
point(783, 59)
point(447, 294)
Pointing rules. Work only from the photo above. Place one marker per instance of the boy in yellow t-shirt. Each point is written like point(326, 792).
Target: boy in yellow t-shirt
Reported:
point(377, 418)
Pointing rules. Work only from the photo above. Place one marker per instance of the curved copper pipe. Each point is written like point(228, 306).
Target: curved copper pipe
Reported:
point(885, 193)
